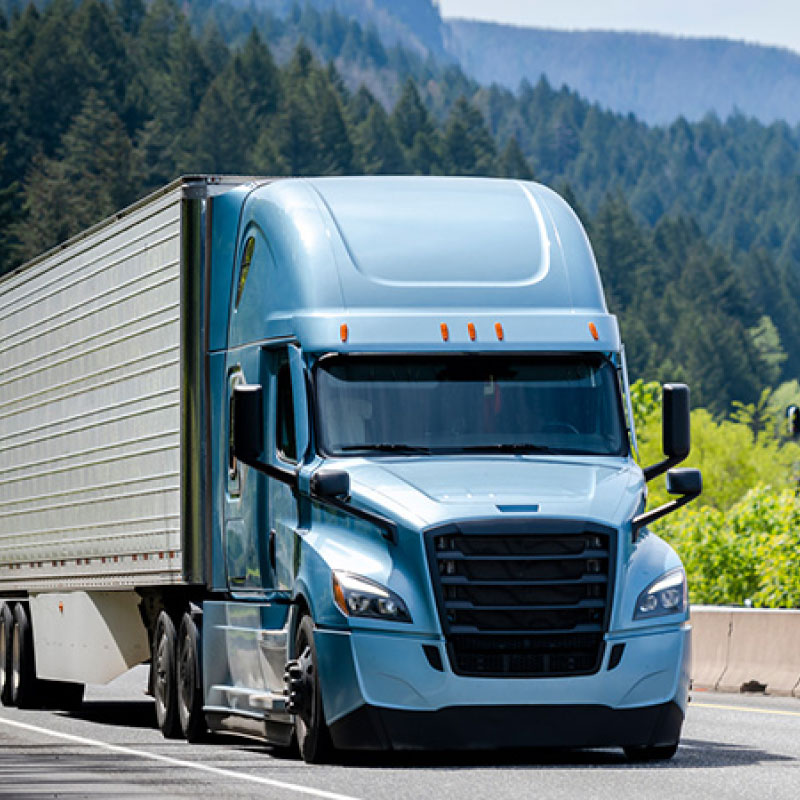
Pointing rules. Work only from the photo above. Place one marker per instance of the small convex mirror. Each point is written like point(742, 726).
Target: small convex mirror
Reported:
point(331, 483)
point(684, 480)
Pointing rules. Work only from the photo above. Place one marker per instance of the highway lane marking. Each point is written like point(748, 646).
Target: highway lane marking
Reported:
point(177, 762)
point(774, 711)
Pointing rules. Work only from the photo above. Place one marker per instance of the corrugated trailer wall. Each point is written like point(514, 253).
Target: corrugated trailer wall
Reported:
point(90, 408)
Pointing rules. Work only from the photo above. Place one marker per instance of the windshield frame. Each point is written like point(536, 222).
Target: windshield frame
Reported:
point(322, 449)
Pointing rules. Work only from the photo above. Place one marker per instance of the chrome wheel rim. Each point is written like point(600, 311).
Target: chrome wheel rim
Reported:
point(161, 680)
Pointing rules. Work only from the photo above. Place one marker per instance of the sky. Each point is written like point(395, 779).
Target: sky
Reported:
point(773, 22)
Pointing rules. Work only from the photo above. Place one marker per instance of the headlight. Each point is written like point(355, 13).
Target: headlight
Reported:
point(357, 596)
point(665, 596)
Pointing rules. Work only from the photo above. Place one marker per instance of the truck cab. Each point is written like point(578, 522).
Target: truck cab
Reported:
point(427, 525)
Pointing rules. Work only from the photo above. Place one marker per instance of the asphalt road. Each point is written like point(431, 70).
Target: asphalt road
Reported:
point(734, 746)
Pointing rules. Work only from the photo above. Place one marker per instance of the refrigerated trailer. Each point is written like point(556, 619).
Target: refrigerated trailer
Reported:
point(349, 462)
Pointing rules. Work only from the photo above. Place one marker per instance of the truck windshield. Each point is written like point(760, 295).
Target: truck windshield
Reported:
point(463, 404)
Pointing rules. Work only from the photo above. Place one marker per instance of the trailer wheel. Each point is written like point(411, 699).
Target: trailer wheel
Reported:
point(24, 686)
point(311, 731)
point(165, 677)
point(190, 682)
point(654, 753)
point(6, 623)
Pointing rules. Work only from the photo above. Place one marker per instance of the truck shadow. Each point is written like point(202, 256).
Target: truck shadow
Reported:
point(124, 713)
point(692, 754)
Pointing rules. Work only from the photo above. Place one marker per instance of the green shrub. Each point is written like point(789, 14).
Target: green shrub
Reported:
point(741, 539)
point(749, 552)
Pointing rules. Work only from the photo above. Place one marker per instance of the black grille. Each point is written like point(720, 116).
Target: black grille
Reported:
point(526, 599)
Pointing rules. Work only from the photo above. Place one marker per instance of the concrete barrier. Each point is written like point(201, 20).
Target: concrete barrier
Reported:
point(733, 647)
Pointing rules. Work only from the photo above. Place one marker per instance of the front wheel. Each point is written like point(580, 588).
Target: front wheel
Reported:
point(654, 753)
point(311, 731)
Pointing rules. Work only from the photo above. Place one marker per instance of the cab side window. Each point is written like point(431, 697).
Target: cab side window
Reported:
point(244, 269)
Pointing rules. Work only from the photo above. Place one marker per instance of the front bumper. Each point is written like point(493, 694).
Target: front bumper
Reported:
point(381, 691)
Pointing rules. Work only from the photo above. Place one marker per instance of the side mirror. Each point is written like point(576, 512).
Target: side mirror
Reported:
point(676, 422)
point(331, 484)
point(676, 425)
point(793, 418)
point(248, 423)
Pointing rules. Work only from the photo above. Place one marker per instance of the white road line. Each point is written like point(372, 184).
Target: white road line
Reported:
point(177, 762)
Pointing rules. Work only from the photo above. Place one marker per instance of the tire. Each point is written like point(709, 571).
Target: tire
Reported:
point(311, 731)
point(25, 689)
point(653, 753)
point(165, 677)
point(190, 682)
point(6, 623)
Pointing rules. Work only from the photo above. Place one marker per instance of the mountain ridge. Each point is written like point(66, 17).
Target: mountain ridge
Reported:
point(656, 77)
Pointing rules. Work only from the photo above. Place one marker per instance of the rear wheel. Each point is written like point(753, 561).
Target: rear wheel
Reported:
point(313, 736)
point(165, 677)
point(654, 753)
point(6, 623)
point(190, 683)
point(24, 686)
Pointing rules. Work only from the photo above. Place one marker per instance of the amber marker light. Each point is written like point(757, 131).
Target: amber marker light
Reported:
point(498, 329)
point(593, 331)
point(343, 332)
point(338, 596)
point(445, 332)
point(472, 332)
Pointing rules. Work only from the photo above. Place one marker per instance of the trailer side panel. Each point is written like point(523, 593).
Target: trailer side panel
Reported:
point(90, 409)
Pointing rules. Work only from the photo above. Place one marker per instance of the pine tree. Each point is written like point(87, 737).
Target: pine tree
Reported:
point(95, 174)
point(410, 116)
point(380, 152)
point(513, 164)
point(467, 147)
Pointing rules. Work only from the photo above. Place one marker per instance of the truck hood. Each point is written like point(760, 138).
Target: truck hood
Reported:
point(429, 491)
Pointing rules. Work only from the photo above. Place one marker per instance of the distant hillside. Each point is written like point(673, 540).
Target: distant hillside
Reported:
point(415, 24)
point(657, 78)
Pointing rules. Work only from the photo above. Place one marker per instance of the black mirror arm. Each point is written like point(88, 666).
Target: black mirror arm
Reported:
point(388, 528)
point(661, 467)
point(287, 476)
point(650, 516)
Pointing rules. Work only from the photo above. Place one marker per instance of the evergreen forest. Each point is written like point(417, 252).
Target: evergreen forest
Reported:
point(696, 226)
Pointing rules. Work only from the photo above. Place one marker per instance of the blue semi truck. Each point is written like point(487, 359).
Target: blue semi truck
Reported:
point(349, 461)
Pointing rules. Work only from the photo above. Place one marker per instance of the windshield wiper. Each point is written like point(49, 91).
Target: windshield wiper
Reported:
point(386, 447)
point(516, 447)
